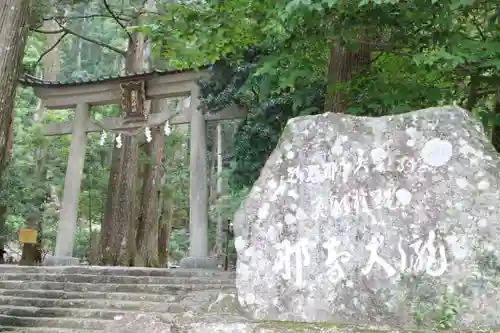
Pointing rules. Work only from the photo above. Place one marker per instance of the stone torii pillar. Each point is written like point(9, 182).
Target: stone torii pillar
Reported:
point(198, 190)
point(68, 215)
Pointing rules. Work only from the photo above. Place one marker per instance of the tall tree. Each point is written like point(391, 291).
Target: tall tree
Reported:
point(147, 221)
point(118, 242)
point(50, 69)
point(343, 65)
point(14, 27)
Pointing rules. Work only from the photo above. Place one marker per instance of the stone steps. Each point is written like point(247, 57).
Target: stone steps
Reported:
point(197, 325)
point(88, 278)
point(72, 295)
point(72, 299)
point(13, 329)
point(170, 307)
point(20, 323)
point(162, 289)
point(44, 313)
point(116, 271)
point(43, 330)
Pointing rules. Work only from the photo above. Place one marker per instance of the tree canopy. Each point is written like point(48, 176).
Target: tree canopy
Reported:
point(273, 58)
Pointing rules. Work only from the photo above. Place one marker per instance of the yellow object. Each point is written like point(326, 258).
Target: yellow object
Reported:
point(27, 236)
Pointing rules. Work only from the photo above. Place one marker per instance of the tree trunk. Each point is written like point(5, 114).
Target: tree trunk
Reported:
point(162, 240)
point(109, 244)
point(3, 218)
point(165, 229)
point(118, 235)
point(495, 133)
point(219, 232)
point(51, 67)
point(147, 228)
point(3, 205)
point(342, 67)
point(14, 25)
point(31, 253)
point(126, 201)
point(212, 197)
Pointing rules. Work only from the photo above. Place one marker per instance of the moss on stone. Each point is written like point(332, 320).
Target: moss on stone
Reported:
point(297, 325)
point(302, 327)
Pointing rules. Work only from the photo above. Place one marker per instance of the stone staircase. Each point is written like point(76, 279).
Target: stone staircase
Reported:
point(81, 299)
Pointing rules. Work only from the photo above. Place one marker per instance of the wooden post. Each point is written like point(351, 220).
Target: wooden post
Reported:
point(72, 181)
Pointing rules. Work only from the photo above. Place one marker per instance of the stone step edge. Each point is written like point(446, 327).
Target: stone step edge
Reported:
point(172, 285)
point(14, 329)
point(117, 311)
point(6, 267)
point(44, 275)
point(76, 295)
point(123, 272)
point(40, 320)
point(89, 300)
point(255, 326)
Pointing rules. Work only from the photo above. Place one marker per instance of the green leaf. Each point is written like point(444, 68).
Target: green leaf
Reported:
point(493, 63)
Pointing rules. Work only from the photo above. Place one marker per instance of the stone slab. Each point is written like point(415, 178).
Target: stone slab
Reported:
point(63, 305)
point(121, 279)
point(209, 263)
point(165, 289)
point(117, 271)
point(64, 323)
point(13, 329)
point(60, 261)
point(148, 323)
point(206, 301)
point(63, 313)
point(389, 221)
point(88, 295)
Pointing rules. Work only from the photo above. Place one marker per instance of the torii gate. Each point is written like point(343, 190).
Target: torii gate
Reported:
point(129, 90)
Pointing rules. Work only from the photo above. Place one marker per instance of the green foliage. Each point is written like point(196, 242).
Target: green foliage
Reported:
point(178, 246)
point(271, 58)
point(429, 307)
point(23, 192)
point(229, 203)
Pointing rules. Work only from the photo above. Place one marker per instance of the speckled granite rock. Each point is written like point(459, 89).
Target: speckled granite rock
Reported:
point(390, 220)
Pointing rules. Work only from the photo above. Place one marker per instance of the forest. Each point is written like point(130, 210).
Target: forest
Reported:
point(276, 59)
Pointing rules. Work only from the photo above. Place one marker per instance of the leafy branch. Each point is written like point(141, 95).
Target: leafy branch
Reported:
point(117, 19)
point(44, 53)
point(90, 40)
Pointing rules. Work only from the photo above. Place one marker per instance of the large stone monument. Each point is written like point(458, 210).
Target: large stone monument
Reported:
point(388, 221)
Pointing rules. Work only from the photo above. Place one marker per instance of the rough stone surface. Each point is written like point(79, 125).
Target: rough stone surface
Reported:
point(389, 220)
point(60, 261)
point(213, 327)
point(117, 271)
point(226, 324)
point(205, 301)
point(145, 323)
point(200, 263)
point(69, 286)
point(120, 279)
